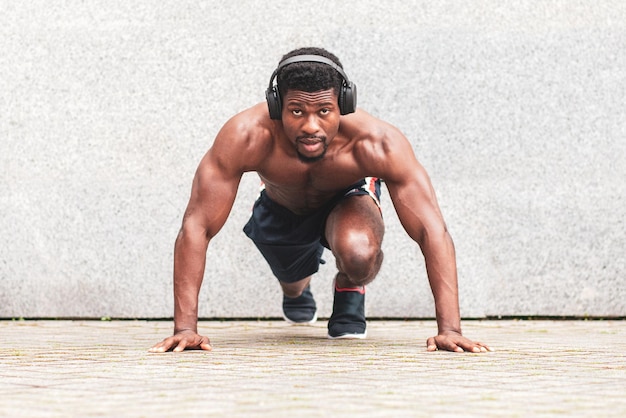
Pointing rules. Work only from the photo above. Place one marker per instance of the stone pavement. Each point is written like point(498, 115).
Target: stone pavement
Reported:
point(268, 368)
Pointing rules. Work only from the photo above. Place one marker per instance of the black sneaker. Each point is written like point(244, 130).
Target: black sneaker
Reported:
point(300, 310)
point(348, 318)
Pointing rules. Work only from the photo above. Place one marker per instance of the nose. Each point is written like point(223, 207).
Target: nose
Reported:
point(310, 125)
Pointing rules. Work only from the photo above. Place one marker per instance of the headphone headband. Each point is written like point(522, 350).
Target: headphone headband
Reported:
point(347, 93)
point(308, 58)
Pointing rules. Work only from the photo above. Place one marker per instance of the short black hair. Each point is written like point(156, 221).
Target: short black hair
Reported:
point(309, 76)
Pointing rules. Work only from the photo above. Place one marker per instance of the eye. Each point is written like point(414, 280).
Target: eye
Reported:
point(296, 112)
point(324, 111)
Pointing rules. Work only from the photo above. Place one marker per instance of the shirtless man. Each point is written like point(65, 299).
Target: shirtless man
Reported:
point(320, 160)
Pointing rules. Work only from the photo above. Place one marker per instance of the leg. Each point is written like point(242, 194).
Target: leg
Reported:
point(354, 231)
point(292, 254)
point(299, 306)
point(293, 266)
point(295, 289)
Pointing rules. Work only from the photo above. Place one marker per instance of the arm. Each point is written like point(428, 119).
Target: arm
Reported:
point(212, 195)
point(416, 205)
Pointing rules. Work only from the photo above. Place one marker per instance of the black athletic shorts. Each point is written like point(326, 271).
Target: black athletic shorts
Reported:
point(293, 244)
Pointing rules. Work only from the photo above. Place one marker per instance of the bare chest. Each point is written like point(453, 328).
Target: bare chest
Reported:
point(303, 187)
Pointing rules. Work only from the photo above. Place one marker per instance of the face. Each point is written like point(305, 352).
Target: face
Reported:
point(311, 121)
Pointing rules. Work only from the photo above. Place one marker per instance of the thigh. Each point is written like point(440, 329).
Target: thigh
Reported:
point(289, 243)
point(355, 221)
point(292, 263)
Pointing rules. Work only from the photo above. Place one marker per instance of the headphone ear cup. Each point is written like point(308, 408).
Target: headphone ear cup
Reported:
point(273, 103)
point(347, 98)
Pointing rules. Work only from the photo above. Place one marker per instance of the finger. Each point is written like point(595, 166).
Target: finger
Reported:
point(468, 346)
point(448, 344)
point(485, 348)
point(206, 344)
point(473, 347)
point(161, 347)
point(182, 344)
point(431, 345)
point(479, 348)
point(451, 346)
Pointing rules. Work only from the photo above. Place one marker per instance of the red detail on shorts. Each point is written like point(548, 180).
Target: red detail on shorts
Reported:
point(373, 185)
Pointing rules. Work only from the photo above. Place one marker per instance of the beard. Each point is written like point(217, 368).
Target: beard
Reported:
point(311, 159)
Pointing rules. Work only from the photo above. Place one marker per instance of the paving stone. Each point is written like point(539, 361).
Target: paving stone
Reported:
point(269, 368)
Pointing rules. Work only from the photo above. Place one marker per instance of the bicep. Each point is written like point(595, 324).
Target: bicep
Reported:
point(417, 210)
point(213, 193)
point(414, 197)
point(218, 176)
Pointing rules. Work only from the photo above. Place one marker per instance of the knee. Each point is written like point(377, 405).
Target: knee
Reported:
point(360, 259)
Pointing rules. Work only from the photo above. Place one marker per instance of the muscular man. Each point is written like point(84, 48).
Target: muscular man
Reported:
point(320, 160)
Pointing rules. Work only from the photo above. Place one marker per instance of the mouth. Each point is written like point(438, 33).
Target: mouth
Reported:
point(311, 144)
point(311, 148)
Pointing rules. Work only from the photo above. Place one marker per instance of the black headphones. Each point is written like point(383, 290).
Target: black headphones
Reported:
point(347, 93)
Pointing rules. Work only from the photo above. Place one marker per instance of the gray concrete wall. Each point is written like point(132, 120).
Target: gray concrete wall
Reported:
point(516, 109)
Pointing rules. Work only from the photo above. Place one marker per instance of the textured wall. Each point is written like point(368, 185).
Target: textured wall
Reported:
point(516, 109)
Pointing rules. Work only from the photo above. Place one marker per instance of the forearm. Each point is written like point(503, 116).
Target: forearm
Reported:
point(189, 263)
point(441, 268)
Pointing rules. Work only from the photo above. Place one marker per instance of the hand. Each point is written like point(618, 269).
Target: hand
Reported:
point(182, 340)
point(454, 341)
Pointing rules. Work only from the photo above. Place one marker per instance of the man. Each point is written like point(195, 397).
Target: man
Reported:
point(320, 161)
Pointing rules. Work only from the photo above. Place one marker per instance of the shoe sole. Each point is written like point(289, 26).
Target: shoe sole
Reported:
point(349, 336)
point(290, 322)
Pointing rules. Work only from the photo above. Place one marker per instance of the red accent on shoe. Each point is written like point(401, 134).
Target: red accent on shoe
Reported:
point(360, 289)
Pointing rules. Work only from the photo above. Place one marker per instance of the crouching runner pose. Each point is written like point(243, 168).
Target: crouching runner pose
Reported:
point(320, 161)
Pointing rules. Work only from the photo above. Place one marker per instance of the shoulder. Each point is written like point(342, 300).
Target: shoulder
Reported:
point(244, 127)
point(378, 146)
point(245, 139)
